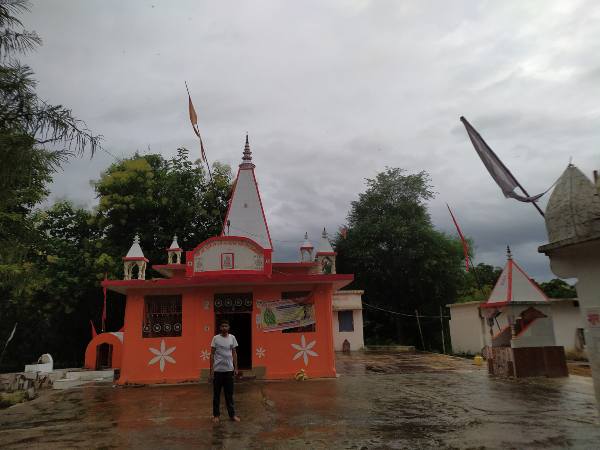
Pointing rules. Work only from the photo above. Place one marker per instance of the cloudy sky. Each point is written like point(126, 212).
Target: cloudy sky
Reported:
point(333, 91)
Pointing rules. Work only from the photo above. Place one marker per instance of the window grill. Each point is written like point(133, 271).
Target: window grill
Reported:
point(162, 316)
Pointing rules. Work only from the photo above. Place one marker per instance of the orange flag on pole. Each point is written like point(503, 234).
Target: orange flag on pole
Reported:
point(194, 121)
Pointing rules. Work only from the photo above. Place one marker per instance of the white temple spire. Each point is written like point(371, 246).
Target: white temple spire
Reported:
point(245, 215)
point(514, 286)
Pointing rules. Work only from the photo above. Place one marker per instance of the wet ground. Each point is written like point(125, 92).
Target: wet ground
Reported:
point(379, 401)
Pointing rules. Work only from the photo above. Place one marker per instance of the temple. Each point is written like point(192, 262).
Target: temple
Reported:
point(283, 314)
point(525, 345)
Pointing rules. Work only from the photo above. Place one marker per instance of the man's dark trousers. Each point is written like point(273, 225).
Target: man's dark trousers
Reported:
point(224, 380)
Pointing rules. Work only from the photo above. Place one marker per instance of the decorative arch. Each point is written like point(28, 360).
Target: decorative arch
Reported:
point(228, 254)
point(115, 340)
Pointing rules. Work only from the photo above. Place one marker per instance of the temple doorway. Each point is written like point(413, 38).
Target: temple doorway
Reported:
point(237, 309)
point(104, 356)
point(241, 327)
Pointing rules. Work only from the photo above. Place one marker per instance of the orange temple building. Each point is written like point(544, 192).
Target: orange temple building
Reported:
point(280, 313)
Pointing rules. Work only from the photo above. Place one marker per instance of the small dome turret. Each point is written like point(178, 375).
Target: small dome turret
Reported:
point(306, 250)
point(135, 258)
point(174, 252)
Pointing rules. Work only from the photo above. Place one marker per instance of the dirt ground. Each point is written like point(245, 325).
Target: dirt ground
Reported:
point(379, 401)
point(580, 368)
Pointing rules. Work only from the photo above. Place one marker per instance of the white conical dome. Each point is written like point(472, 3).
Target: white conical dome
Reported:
point(174, 244)
point(324, 244)
point(306, 244)
point(135, 251)
point(245, 216)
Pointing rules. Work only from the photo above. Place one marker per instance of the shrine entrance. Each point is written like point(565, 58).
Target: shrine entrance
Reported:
point(237, 309)
point(104, 356)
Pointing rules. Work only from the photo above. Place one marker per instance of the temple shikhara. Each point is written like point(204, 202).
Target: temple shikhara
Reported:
point(286, 316)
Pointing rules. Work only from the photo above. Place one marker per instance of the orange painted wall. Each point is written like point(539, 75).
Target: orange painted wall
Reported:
point(192, 348)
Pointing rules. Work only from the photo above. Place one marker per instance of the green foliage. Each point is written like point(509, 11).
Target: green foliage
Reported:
point(478, 283)
point(397, 256)
point(57, 291)
point(34, 139)
point(158, 198)
point(11, 40)
point(558, 288)
point(22, 111)
point(56, 287)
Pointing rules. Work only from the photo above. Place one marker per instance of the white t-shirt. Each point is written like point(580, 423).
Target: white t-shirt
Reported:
point(223, 352)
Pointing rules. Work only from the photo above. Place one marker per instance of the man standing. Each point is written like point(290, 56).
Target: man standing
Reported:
point(223, 367)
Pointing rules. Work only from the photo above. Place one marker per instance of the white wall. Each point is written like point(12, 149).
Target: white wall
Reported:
point(246, 256)
point(469, 333)
point(466, 331)
point(348, 301)
point(567, 318)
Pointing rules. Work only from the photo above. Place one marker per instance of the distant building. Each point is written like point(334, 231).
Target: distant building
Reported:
point(468, 334)
point(524, 345)
point(348, 320)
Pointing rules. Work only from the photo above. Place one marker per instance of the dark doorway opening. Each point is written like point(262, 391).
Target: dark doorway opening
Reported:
point(240, 325)
point(104, 356)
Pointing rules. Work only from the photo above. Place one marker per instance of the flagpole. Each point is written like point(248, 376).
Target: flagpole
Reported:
point(527, 194)
point(197, 131)
point(12, 334)
point(467, 257)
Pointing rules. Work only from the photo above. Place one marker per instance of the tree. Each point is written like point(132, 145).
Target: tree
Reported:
point(478, 283)
point(35, 137)
point(158, 198)
point(60, 291)
point(398, 258)
point(558, 288)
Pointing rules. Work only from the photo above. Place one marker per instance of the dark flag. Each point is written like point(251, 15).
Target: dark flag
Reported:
point(499, 172)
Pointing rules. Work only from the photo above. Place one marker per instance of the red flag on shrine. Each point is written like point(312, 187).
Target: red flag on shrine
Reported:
point(462, 238)
point(104, 307)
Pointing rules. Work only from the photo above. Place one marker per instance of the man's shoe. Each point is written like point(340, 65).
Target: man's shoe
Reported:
point(235, 419)
point(215, 419)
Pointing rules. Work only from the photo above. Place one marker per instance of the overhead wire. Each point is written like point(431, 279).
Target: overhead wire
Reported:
point(404, 314)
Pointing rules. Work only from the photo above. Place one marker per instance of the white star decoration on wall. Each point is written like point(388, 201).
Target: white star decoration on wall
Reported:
point(304, 350)
point(205, 354)
point(260, 352)
point(162, 355)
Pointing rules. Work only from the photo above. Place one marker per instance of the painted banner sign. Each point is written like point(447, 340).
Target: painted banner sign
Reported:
point(284, 314)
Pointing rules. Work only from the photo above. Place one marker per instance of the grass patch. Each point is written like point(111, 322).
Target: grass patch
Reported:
point(11, 398)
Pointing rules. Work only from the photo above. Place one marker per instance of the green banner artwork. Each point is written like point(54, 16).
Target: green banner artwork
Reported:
point(284, 314)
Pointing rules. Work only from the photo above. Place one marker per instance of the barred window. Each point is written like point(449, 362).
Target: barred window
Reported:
point(162, 316)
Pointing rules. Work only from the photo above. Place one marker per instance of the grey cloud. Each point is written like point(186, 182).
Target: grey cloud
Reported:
point(331, 93)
